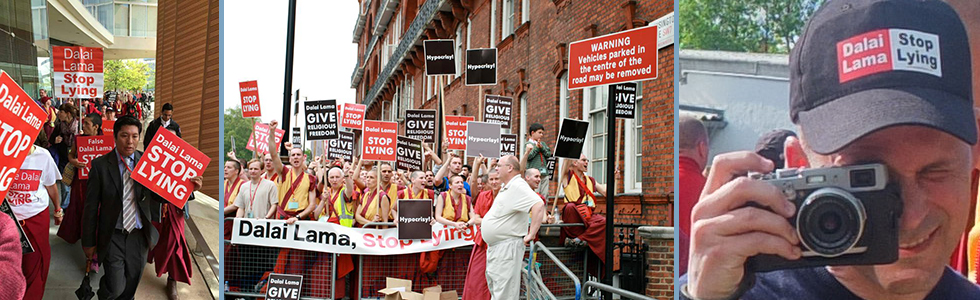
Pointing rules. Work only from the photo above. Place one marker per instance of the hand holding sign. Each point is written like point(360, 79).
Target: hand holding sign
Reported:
point(171, 168)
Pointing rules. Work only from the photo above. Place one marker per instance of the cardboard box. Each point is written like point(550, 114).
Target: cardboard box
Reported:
point(396, 289)
point(436, 293)
point(411, 296)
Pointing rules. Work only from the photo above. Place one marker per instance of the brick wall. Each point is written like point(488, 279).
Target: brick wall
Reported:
point(187, 76)
point(531, 62)
point(660, 257)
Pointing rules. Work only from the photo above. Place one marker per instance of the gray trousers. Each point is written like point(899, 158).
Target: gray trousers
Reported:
point(126, 258)
point(504, 260)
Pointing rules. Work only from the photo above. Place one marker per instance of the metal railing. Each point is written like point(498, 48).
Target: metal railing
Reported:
point(561, 266)
point(616, 290)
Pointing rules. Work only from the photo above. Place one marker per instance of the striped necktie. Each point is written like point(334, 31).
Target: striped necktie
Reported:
point(129, 206)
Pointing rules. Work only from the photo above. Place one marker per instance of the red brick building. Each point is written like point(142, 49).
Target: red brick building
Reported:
point(531, 38)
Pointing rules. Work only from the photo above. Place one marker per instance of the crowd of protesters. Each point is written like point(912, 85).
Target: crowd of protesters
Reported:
point(356, 193)
point(49, 185)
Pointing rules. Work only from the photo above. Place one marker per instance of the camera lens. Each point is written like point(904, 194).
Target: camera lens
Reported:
point(862, 178)
point(830, 221)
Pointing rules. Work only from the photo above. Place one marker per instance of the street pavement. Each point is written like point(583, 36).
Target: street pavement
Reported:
point(68, 262)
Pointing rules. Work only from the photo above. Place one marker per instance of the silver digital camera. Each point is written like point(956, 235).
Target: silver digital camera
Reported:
point(844, 216)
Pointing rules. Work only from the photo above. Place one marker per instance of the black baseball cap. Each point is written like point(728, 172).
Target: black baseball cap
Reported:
point(864, 65)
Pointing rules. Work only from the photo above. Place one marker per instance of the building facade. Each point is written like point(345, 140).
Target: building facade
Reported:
point(187, 76)
point(531, 38)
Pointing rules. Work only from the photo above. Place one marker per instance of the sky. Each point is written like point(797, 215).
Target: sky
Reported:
point(255, 49)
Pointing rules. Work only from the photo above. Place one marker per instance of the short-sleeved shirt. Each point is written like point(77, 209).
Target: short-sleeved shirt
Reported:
point(266, 195)
point(818, 283)
point(27, 195)
point(507, 218)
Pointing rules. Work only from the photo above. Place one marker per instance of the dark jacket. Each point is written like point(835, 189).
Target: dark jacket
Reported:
point(155, 125)
point(104, 204)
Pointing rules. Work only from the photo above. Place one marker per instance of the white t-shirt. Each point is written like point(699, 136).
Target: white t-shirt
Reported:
point(508, 218)
point(266, 195)
point(27, 195)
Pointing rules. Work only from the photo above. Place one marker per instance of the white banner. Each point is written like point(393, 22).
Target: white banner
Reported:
point(78, 85)
point(333, 238)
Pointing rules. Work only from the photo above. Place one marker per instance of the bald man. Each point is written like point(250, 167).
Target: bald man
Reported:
point(505, 229)
point(692, 149)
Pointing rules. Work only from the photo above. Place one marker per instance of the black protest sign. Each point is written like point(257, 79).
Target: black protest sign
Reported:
point(414, 217)
point(552, 161)
point(420, 124)
point(571, 138)
point(297, 137)
point(508, 144)
point(481, 66)
point(321, 120)
point(408, 154)
point(440, 57)
point(25, 244)
point(342, 147)
point(497, 110)
point(625, 99)
point(283, 287)
point(482, 139)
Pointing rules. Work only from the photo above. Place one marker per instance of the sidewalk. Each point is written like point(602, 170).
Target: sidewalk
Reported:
point(68, 263)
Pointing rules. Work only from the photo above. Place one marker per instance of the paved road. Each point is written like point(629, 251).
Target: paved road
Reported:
point(67, 263)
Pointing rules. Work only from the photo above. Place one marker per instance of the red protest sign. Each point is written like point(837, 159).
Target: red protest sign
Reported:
point(260, 135)
point(456, 131)
point(250, 98)
point(20, 119)
point(353, 116)
point(623, 56)
point(90, 147)
point(77, 72)
point(379, 140)
point(107, 126)
point(168, 165)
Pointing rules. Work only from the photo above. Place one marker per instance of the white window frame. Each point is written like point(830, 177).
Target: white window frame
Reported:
point(507, 26)
point(525, 11)
point(587, 112)
point(634, 142)
point(458, 41)
point(563, 97)
point(493, 22)
point(522, 131)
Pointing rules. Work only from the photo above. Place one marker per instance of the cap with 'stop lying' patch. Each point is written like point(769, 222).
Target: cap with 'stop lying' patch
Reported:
point(864, 65)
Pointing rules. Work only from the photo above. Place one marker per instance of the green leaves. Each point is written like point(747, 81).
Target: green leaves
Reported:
point(765, 26)
point(130, 75)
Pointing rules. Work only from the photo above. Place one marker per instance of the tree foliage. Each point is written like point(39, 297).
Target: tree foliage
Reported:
point(765, 26)
point(129, 74)
point(240, 128)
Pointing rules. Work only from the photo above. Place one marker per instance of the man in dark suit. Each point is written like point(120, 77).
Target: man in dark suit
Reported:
point(117, 214)
point(165, 120)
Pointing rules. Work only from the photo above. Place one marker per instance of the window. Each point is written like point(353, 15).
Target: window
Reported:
point(405, 98)
point(493, 22)
point(507, 27)
point(121, 20)
point(594, 108)
point(525, 11)
point(459, 51)
point(469, 29)
point(633, 173)
point(522, 131)
point(563, 107)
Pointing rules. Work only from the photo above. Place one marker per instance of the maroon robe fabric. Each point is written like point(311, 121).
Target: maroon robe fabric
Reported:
point(171, 254)
point(594, 233)
point(71, 226)
point(476, 275)
point(35, 265)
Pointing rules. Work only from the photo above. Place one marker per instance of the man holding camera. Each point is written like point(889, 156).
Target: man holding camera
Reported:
point(872, 81)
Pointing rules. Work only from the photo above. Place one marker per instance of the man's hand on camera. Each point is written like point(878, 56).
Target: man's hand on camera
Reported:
point(726, 232)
